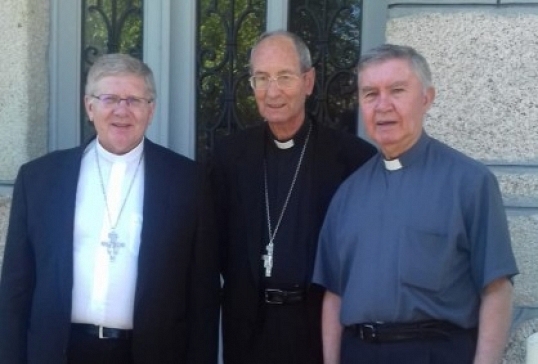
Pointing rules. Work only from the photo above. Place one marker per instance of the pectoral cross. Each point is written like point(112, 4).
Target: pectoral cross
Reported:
point(268, 259)
point(113, 245)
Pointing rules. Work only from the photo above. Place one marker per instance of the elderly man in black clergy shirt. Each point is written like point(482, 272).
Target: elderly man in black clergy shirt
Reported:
point(274, 183)
point(110, 254)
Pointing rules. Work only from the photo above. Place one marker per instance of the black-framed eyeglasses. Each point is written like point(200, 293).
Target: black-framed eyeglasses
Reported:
point(262, 82)
point(111, 100)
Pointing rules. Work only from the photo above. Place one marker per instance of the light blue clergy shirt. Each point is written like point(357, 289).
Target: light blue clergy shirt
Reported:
point(415, 243)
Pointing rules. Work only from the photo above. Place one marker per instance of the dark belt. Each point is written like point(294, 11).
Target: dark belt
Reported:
point(387, 332)
point(102, 332)
point(275, 296)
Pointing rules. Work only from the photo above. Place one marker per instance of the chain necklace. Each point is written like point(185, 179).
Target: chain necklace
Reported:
point(113, 245)
point(268, 257)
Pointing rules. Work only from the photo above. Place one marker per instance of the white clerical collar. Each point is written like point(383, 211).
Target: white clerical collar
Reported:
point(132, 155)
point(393, 164)
point(284, 145)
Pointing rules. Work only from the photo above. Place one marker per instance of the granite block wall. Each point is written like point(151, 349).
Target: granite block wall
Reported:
point(24, 32)
point(24, 29)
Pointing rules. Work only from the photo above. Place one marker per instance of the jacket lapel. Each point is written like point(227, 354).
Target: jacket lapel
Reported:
point(66, 192)
point(155, 211)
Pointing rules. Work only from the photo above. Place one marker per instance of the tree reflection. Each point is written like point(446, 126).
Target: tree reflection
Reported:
point(227, 30)
point(332, 30)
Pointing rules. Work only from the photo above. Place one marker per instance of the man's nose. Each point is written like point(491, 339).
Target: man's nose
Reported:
point(122, 107)
point(273, 87)
point(125, 102)
point(383, 102)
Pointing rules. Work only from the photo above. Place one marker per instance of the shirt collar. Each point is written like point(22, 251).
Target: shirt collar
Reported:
point(297, 139)
point(393, 164)
point(133, 155)
point(284, 145)
point(409, 156)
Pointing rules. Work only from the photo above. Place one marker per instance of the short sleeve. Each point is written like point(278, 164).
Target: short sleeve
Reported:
point(327, 266)
point(491, 250)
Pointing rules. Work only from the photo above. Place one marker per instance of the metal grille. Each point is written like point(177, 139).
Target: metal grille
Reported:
point(332, 31)
point(108, 26)
point(226, 31)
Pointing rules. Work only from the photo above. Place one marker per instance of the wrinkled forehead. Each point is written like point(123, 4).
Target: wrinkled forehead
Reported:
point(387, 70)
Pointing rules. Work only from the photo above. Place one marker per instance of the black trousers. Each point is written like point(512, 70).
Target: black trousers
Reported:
point(286, 335)
point(87, 349)
point(458, 348)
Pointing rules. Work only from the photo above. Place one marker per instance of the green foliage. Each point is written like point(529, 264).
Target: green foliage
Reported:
point(227, 30)
point(113, 26)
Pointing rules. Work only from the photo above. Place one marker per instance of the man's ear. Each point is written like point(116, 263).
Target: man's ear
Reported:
point(152, 106)
point(310, 80)
point(88, 105)
point(429, 97)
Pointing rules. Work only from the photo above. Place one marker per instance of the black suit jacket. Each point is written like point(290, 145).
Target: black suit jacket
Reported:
point(176, 300)
point(237, 175)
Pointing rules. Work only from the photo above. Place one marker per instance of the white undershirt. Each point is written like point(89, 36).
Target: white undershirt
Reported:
point(104, 290)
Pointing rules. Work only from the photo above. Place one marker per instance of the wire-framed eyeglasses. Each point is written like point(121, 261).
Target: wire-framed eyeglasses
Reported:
point(262, 82)
point(111, 100)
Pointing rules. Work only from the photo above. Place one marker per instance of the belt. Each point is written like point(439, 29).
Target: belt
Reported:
point(275, 296)
point(102, 332)
point(389, 332)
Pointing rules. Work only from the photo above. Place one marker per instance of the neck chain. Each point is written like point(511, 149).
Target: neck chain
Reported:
point(268, 257)
point(113, 245)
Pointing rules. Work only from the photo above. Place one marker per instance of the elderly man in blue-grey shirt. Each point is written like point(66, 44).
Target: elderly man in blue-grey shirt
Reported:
point(418, 270)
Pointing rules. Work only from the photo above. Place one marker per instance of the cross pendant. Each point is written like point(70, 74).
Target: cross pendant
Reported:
point(268, 259)
point(113, 245)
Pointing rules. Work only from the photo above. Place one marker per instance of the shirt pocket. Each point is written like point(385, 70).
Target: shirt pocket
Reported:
point(424, 259)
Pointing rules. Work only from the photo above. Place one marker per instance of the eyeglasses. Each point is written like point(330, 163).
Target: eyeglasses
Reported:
point(262, 82)
point(111, 100)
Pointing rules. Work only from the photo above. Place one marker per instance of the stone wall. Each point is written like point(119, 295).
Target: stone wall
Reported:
point(24, 30)
point(24, 34)
point(485, 71)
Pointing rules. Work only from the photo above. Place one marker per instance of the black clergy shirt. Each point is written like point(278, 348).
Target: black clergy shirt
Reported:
point(291, 265)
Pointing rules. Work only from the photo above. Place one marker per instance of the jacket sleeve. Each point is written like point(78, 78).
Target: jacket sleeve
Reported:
point(221, 195)
point(17, 280)
point(204, 284)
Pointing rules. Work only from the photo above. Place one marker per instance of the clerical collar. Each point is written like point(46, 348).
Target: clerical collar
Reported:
point(393, 164)
point(409, 156)
point(297, 139)
point(132, 155)
point(284, 145)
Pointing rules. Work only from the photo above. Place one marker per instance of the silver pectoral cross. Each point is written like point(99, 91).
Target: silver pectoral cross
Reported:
point(113, 245)
point(268, 259)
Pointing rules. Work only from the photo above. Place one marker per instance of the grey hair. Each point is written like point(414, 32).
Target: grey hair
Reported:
point(387, 52)
point(305, 60)
point(118, 64)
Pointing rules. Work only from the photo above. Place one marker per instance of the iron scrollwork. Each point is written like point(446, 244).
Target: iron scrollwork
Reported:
point(226, 31)
point(332, 30)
